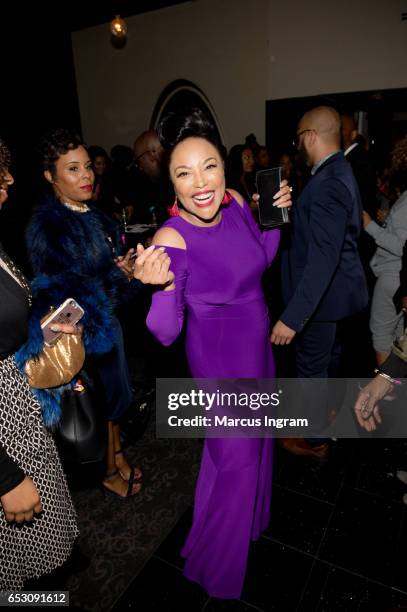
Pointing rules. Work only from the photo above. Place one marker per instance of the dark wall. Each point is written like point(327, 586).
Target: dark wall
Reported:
point(38, 92)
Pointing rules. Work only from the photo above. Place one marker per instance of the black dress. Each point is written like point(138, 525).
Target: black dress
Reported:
point(27, 449)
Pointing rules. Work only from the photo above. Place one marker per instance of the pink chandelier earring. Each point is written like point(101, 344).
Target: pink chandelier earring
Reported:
point(227, 198)
point(173, 210)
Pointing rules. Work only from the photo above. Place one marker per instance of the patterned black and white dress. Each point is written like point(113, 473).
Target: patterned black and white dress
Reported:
point(35, 548)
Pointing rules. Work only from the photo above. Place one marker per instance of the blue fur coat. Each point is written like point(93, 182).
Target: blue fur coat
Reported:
point(72, 256)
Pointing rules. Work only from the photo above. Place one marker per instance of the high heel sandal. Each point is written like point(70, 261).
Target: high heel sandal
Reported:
point(130, 482)
point(133, 478)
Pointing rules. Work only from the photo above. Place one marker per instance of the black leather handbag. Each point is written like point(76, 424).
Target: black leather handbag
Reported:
point(82, 433)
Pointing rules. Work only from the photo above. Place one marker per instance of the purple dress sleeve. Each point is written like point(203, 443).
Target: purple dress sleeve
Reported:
point(166, 314)
point(269, 239)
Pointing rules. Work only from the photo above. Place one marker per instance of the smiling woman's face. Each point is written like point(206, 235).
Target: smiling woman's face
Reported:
point(73, 178)
point(197, 173)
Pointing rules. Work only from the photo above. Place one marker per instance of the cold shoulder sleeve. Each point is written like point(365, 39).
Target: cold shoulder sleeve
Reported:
point(166, 315)
point(269, 239)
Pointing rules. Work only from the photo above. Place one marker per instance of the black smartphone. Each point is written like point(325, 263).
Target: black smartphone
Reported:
point(267, 185)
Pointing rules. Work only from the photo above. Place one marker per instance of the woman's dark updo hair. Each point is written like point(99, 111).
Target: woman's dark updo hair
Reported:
point(57, 143)
point(192, 123)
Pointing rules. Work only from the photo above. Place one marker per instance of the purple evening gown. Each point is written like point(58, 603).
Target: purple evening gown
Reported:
point(218, 282)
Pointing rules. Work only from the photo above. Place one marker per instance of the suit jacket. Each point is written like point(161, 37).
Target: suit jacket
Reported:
point(323, 277)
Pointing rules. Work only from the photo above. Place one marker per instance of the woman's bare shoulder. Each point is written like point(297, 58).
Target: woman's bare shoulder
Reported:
point(168, 236)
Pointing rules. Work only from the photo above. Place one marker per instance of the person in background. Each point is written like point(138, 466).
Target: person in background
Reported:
point(74, 251)
point(240, 174)
point(359, 159)
point(392, 369)
point(152, 190)
point(103, 190)
point(37, 519)
point(324, 281)
point(386, 323)
point(365, 176)
point(262, 158)
point(289, 172)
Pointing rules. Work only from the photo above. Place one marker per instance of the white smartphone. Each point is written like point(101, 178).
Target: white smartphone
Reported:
point(69, 312)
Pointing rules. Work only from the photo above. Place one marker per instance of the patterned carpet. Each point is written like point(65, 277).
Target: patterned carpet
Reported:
point(119, 536)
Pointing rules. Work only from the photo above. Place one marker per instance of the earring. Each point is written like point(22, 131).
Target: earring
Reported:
point(227, 198)
point(173, 210)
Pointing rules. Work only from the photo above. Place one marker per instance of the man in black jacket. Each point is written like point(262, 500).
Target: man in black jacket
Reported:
point(365, 176)
point(361, 164)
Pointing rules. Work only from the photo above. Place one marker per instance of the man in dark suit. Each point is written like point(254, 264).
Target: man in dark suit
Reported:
point(361, 164)
point(365, 176)
point(323, 280)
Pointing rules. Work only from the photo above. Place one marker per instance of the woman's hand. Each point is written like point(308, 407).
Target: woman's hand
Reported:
point(366, 408)
point(282, 199)
point(382, 215)
point(126, 263)
point(366, 218)
point(152, 267)
point(66, 328)
point(21, 503)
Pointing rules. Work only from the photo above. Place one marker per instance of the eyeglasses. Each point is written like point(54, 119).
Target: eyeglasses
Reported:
point(151, 153)
point(297, 136)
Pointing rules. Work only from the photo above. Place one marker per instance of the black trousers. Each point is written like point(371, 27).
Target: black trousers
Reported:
point(318, 355)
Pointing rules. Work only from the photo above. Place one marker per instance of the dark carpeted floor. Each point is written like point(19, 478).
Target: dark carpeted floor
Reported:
point(119, 536)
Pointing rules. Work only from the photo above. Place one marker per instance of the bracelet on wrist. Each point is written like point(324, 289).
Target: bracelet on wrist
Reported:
point(393, 381)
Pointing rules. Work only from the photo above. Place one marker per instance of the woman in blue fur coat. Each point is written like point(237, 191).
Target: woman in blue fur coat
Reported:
point(75, 253)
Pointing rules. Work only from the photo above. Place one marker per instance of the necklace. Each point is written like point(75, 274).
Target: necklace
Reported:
point(16, 273)
point(81, 208)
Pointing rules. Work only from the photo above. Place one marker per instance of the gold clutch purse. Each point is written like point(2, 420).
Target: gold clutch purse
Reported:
point(56, 365)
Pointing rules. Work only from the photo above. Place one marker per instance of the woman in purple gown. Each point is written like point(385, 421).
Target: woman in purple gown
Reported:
point(218, 255)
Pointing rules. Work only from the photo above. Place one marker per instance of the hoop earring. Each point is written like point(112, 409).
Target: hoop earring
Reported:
point(173, 210)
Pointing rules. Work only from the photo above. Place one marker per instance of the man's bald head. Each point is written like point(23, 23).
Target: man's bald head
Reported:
point(319, 133)
point(148, 153)
point(325, 121)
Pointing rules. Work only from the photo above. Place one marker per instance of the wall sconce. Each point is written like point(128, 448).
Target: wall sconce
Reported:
point(118, 30)
point(118, 27)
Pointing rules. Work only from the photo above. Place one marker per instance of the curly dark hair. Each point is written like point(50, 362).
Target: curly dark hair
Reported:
point(192, 122)
point(57, 143)
point(5, 159)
